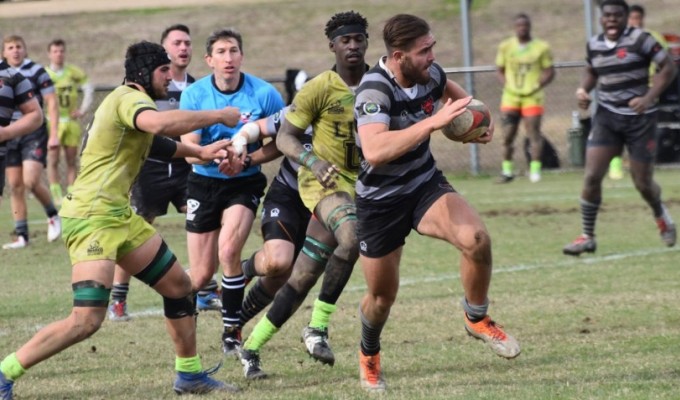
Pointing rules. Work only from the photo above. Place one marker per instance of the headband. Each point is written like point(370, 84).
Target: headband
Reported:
point(347, 30)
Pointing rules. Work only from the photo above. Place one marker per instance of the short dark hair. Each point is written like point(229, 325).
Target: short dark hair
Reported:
point(401, 31)
point(521, 16)
point(175, 27)
point(226, 33)
point(638, 9)
point(619, 3)
point(344, 19)
point(56, 42)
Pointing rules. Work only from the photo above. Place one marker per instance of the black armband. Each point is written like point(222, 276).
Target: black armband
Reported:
point(163, 148)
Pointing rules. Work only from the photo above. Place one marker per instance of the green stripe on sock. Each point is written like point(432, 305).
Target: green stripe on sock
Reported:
point(321, 315)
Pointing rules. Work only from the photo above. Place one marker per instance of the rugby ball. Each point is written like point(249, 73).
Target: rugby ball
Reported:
point(470, 125)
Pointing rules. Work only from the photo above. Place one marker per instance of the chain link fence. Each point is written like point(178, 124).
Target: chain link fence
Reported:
point(463, 159)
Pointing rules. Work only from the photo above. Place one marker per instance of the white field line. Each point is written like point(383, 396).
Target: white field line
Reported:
point(567, 263)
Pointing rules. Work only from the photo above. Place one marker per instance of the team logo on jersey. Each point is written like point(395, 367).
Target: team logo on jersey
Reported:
point(192, 206)
point(336, 108)
point(371, 108)
point(428, 106)
point(363, 246)
point(245, 116)
point(621, 53)
point(94, 249)
point(274, 213)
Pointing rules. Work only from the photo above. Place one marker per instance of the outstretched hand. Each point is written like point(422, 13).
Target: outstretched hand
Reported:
point(214, 151)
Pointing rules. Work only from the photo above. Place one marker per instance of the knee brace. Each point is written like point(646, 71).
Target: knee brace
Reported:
point(316, 250)
point(345, 212)
point(90, 294)
point(178, 308)
point(158, 267)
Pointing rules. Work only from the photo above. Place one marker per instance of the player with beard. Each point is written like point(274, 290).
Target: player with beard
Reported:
point(400, 188)
point(101, 230)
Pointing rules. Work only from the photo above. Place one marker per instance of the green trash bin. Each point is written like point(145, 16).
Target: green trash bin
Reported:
point(577, 141)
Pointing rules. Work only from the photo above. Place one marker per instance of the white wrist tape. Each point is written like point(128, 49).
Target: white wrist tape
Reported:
point(239, 143)
point(252, 130)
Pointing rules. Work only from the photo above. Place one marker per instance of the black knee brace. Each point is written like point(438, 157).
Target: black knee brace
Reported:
point(178, 308)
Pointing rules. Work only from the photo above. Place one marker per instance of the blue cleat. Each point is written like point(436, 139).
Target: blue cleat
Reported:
point(200, 383)
point(5, 388)
point(210, 301)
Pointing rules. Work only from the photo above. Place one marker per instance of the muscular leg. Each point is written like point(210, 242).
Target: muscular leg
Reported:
point(382, 284)
point(78, 326)
point(643, 179)
point(533, 129)
point(237, 221)
point(32, 175)
point(53, 173)
point(452, 219)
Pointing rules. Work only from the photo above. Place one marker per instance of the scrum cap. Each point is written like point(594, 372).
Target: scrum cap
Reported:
point(141, 59)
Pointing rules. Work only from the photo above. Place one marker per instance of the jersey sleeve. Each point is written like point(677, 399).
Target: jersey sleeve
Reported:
point(131, 105)
point(307, 102)
point(373, 100)
point(272, 101)
point(187, 101)
point(45, 84)
point(546, 58)
point(500, 55)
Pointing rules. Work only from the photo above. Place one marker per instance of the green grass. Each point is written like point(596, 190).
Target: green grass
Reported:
point(602, 326)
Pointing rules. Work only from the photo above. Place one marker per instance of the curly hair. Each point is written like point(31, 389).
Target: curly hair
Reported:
point(344, 19)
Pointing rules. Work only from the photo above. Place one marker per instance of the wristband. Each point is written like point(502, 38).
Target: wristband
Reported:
point(307, 158)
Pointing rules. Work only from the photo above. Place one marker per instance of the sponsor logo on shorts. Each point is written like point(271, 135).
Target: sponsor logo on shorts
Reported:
point(255, 200)
point(94, 249)
point(274, 212)
point(192, 206)
point(363, 246)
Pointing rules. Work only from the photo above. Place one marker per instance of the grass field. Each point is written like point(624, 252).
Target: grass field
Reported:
point(602, 326)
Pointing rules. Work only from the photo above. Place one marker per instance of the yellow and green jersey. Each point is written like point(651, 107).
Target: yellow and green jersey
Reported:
point(112, 155)
point(327, 104)
point(523, 63)
point(67, 81)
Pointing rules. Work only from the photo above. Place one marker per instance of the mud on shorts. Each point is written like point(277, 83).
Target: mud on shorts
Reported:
point(209, 197)
point(383, 225)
